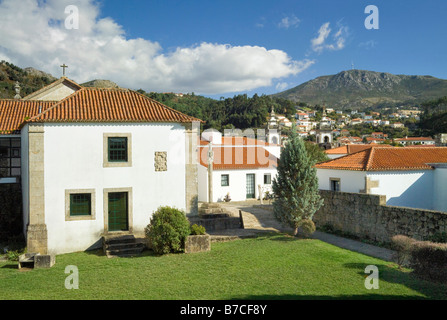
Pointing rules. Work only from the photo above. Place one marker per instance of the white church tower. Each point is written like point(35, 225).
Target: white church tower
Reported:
point(273, 134)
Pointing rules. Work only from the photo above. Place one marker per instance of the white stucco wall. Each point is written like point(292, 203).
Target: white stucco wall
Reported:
point(237, 187)
point(405, 188)
point(350, 181)
point(440, 188)
point(74, 160)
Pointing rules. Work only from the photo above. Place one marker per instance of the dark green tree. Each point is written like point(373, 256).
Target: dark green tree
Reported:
point(297, 197)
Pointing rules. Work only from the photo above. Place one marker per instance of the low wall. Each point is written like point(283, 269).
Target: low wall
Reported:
point(368, 217)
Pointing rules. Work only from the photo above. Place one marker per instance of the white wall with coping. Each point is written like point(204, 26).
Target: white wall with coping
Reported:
point(423, 189)
point(405, 188)
point(350, 181)
point(440, 188)
point(74, 160)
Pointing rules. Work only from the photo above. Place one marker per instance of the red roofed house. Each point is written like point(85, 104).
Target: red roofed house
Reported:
point(243, 168)
point(95, 162)
point(408, 177)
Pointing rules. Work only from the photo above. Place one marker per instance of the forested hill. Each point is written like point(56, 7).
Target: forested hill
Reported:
point(239, 112)
point(30, 80)
point(434, 117)
point(359, 89)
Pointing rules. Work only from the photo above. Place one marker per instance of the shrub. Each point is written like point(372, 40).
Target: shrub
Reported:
point(402, 246)
point(306, 227)
point(429, 260)
point(168, 230)
point(197, 230)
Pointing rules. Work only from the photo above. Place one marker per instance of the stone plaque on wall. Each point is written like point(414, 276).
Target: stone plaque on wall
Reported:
point(161, 161)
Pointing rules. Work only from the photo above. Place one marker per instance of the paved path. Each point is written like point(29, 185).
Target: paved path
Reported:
point(259, 218)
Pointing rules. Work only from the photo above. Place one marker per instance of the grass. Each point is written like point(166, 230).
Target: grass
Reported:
point(269, 267)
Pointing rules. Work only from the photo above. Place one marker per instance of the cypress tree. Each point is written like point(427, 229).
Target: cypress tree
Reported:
point(296, 186)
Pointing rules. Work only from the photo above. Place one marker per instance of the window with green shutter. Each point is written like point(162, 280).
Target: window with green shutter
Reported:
point(80, 204)
point(117, 149)
point(225, 180)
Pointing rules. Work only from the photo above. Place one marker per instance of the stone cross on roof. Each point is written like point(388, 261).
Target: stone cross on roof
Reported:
point(64, 66)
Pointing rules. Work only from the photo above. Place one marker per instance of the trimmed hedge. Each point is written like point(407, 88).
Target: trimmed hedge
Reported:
point(168, 230)
point(427, 259)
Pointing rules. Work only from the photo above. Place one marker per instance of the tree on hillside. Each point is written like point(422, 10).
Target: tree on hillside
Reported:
point(296, 186)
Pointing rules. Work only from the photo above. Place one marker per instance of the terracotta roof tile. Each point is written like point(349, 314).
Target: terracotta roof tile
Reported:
point(110, 105)
point(388, 159)
point(14, 112)
point(353, 148)
point(238, 158)
point(239, 141)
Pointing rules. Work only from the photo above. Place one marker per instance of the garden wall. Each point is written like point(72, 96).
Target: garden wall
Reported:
point(368, 217)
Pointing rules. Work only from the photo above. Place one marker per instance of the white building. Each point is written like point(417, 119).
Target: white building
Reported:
point(408, 141)
point(408, 177)
point(243, 168)
point(99, 162)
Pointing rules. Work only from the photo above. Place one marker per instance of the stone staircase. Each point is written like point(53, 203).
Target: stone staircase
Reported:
point(215, 217)
point(122, 246)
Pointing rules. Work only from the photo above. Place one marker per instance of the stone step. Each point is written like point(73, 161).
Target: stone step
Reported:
point(122, 245)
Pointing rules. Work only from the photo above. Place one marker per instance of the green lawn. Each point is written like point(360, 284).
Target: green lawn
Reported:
point(270, 267)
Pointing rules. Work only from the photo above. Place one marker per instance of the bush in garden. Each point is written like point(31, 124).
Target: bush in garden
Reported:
point(427, 259)
point(402, 247)
point(168, 230)
point(306, 227)
point(197, 230)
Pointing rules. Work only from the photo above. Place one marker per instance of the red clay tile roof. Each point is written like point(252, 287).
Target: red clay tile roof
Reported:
point(388, 159)
point(231, 158)
point(238, 141)
point(110, 105)
point(14, 112)
point(353, 148)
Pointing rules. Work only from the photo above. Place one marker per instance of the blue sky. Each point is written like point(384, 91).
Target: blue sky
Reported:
point(221, 48)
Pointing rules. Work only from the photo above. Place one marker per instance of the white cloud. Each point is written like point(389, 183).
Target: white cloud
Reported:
point(319, 44)
point(281, 86)
point(288, 22)
point(33, 33)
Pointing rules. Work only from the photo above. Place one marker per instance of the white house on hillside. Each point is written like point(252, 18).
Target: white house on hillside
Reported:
point(97, 162)
point(243, 168)
point(408, 177)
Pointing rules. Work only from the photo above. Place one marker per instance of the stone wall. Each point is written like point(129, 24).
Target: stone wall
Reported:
point(368, 217)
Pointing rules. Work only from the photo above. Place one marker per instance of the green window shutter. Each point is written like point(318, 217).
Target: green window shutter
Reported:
point(80, 204)
point(117, 149)
point(267, 178)
point(225, 180)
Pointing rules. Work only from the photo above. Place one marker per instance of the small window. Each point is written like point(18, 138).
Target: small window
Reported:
point(117, 149)
point(80, 204)
point(225, 180)
point(267, 178)
point(335, 184)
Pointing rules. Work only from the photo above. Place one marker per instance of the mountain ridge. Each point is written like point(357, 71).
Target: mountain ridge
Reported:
point(360, 89)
